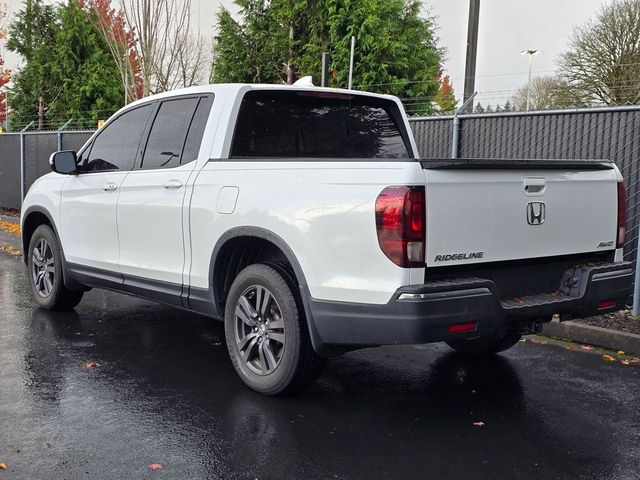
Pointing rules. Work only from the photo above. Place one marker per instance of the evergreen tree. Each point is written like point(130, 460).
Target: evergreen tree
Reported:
point(32, 36)
point(84, 69)
point(68, 72)
point(282, 40)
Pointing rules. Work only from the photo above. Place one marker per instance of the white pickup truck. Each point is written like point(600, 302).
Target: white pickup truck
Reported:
point(303, 218)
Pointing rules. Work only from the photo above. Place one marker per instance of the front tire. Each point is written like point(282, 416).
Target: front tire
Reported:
point(266, 333)
point(44, 262)
point(486, 345)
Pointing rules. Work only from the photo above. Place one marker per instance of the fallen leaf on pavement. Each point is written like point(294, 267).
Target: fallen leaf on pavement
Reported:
point(90, 364)
point(586, 347)
point(10, 250)
point(10, 227)
point(608, 358)
point(625, 362)
point(478, 424)
point(621, 352)
point(570, 347)
point(3, 466)
point(155, 466)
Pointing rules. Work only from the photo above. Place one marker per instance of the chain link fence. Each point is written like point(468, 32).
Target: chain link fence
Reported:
point(602, 133)
point(24, 157)
point(589, 134)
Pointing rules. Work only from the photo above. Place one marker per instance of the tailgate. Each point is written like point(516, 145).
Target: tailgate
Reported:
point(492, 214)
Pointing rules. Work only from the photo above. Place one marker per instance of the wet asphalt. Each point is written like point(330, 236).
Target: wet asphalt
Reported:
point(122, 384)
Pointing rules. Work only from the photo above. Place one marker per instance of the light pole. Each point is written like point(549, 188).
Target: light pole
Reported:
point(531, 53)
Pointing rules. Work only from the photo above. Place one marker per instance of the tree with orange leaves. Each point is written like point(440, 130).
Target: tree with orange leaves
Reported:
point(445, 98)
point(122, 44)
point(153, 44)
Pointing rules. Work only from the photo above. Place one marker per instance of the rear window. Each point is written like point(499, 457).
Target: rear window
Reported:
point(284, 124)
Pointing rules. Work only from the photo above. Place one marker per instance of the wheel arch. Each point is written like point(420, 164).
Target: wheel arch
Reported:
point(32, 218)
point(264, 235)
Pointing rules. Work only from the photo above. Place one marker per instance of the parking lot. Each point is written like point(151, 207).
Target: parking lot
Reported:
point(124, 388)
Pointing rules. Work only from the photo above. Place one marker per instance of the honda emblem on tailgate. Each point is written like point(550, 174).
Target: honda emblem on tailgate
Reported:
point(535, 213)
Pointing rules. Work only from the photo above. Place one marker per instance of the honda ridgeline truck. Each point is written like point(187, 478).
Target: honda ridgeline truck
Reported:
point(304, 219)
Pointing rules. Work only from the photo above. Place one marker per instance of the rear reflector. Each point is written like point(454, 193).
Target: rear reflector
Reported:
point(462, 327)
point(606, 304)
point(622, 215)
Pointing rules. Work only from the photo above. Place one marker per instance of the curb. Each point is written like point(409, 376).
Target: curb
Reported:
point(596, 336)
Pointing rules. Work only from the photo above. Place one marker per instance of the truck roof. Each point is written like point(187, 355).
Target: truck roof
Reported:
point(229, 89)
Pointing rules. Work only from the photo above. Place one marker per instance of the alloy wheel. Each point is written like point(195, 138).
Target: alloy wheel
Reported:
point(259, 330)
point(43, 268)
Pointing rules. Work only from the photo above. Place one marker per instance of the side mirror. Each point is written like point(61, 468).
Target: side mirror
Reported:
point(64, 162)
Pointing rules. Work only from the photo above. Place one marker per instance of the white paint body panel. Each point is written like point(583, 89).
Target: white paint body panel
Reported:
point(88, 219)
point(45, 193)
point(150, 223)
point(486, 211)
point(323, 210)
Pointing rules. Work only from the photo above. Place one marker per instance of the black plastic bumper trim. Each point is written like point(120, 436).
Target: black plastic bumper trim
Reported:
point(448, 302)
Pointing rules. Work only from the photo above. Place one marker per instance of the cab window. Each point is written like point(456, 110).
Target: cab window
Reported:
point(176, 133)
point(116, 147)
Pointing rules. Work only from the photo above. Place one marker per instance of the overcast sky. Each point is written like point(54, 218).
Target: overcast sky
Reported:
point(506, 28)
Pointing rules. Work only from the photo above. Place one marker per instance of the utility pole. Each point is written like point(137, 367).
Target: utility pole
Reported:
point(353, 48)
point(472, 52)
point(326, 61)
point(531, 53)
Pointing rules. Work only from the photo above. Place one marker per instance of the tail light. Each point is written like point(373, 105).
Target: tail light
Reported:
point(622, 215)
point(400, 223)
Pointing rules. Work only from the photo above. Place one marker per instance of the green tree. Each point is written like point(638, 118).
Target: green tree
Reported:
point(84, 69)
point(68, 72)
point(250, 50)
point(282, 40)
point(32, 36)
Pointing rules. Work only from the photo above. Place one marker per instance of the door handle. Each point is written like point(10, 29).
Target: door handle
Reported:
point(534, 186)
point(110, 187)
point(172, 184)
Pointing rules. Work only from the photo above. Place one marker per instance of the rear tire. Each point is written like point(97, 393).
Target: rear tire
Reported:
point(266, 332)
point(44, 262)
point(486, 345)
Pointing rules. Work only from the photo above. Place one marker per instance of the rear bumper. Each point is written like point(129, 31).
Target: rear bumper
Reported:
point(425, 313)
